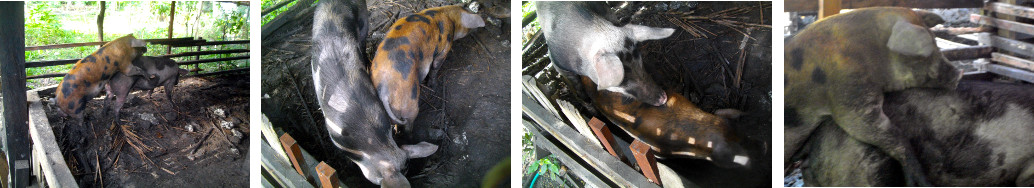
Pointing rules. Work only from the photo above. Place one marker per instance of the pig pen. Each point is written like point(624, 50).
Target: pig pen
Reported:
point(202, 142)
point(466, 114)
point(718, 57)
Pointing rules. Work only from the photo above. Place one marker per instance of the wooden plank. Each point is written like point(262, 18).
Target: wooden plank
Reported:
point(645, 159)
point(274, 7)
point(1002, 24)
point(210, 43)
point(281, 19)
point(576, 119)
point(210, 52)
point(1010, 9)
point(1015, 73)
point(213, 60)
point(71, 45)
point(1013, 61)
point(610, 167)
point(15, 109)
point(294, 152)
point(813, 5)
point(603, 135)
point(282, 173)
point(51, 75)
point(964, 53)
point(327, 175)
point(573, 165)
point(55, 171)
point(50, 63)
point(231, 71)
point(828, 8)
point(1009, 45)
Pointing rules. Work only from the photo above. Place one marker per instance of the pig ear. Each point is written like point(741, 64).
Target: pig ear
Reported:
point(608, 71)
point(469, 20)
point(136, 43)
point(421, 150)
point(641, 33)
point(911, 39)
point(929, 18)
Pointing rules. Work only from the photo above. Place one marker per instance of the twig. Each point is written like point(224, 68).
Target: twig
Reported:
point(201, 142)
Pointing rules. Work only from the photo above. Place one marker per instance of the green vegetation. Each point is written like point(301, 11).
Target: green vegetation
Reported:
point(266, 4)
point(526, 9)
point(52, 22)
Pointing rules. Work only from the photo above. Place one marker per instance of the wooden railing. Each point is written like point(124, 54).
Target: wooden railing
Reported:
point(173, 42)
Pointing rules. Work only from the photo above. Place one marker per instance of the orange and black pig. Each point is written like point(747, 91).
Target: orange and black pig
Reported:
point(677, 128)
point(85, 79)
point(411, 48)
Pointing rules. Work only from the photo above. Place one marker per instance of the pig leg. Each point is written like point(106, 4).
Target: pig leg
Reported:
point(797, 130)
point(169, 86)
point(859, 113)
point(439, 58)
point(108, 96)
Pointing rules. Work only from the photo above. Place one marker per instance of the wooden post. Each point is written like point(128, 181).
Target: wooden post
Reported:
point(172, 16)
point(603, 134)
point(327, 174)
point(100, 23)
point(15, 109)
point(647, 162)
point(294, 152)
point(828, 8)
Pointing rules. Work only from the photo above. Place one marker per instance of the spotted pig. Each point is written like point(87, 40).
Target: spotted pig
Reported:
point(355, 119)
point(583, 40)
point(978, 135)
point(842, 65)
point(159, 71)
point(412, 47)
point(85, 79)
point(677, 129)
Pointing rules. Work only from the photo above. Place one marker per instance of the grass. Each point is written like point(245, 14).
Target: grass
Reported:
point(49, 23)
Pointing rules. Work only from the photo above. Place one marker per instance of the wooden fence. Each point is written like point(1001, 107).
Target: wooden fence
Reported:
point(185, 42)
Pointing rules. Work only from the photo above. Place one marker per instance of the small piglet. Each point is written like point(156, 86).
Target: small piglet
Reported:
point(355, 119)
point(159, 71)
point(411, 48)
point(583, 40)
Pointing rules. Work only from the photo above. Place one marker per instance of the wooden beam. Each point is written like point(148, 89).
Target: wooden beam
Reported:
point(70, 45)
point(55, 171)
point(1010, 9)
point(15, 108)
point(294, 152)
point(645, 159)
point(100, 22)
point(50, 63)
point(210, 43)
point(813, 5)
point(1009, 45)
point(281, 171)
point(1015, 73)
point(575, 167)
point(50, 75)
point(610, 167)
point(231, 71)
point(327, 175)
point(211, 52)
point(964, 53)
point(1013, 61)
point(212, 60)
point(1002, 24)
point(172, 17)
point(828, 8)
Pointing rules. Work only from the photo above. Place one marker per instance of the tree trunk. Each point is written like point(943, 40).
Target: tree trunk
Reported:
point(100, 23)
point(172, 16)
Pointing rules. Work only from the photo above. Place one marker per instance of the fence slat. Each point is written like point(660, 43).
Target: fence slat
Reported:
point(211, 52)
point(213, 60)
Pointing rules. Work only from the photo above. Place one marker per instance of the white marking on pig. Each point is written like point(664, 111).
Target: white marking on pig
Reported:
point(624, 116)
point(367, 171)
point(739, 159)
point(691, 140)
point(658, 131)
point(1012, 127)
point(334, 128)
point(689, 153)
point(708, 158)
point(338, 101)
point(709, 144)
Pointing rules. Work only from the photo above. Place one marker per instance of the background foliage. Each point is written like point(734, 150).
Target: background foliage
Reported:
point(62, 22)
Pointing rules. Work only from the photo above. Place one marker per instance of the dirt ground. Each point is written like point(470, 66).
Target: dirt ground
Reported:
point(155, 144)
point(700, 60)
point(466, 114)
